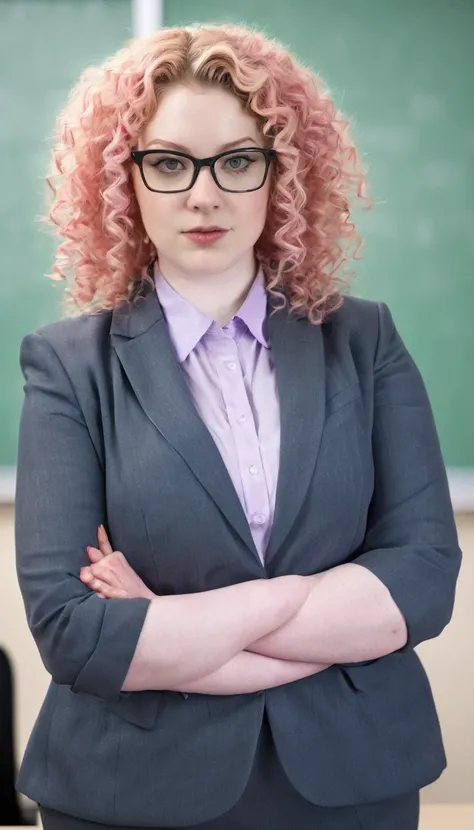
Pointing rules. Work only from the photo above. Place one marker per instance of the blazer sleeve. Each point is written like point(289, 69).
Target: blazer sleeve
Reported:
point(411, 541)
point(84, 641)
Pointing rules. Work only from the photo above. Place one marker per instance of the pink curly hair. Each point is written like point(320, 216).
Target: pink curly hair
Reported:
point(308, 232)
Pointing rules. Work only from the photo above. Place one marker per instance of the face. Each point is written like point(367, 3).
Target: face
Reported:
point(202, 122)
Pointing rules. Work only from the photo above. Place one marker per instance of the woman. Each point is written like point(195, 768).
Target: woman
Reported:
point(238, 650)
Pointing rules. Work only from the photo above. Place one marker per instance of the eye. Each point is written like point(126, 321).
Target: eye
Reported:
point(167, 165)
point(239, 167)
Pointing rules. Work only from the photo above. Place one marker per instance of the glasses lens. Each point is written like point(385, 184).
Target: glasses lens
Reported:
point(236, 171)
point(165, 171)
point(241, 170)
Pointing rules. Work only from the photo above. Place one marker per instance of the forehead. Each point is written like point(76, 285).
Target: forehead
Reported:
point(200, 118)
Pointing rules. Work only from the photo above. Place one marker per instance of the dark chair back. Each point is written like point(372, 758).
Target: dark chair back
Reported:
point(9, 806)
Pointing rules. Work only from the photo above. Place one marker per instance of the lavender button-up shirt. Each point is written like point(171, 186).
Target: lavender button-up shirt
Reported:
point(231, 379)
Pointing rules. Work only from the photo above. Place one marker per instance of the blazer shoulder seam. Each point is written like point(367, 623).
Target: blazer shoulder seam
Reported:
point(65, 371)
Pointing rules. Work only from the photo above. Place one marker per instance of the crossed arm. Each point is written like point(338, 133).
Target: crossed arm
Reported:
point(270, 632)
point(349, 615)
point(255, 634)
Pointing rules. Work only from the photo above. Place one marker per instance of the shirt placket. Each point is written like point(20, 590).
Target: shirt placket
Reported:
point(242, 424)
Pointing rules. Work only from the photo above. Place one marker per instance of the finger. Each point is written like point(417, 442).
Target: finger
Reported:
point(86, 575)
point(104, 543)
point(106, 575)
point(97, 585)
point(94, 554)
point(113, 593)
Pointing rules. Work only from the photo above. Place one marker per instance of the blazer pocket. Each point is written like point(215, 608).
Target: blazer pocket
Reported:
point(368, 674)
point(139, 708)
point(354, 673)
point(359, 663)
point(342, 398)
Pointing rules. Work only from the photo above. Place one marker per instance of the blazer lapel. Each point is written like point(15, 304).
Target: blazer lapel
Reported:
point(298, 355)
point(143, 345)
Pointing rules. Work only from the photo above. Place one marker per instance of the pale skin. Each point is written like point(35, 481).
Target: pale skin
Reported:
point(331, 604)
point(204, 121)
point(265, 632)
point(111, 577)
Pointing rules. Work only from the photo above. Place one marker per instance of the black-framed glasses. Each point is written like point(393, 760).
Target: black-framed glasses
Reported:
point(236, 171)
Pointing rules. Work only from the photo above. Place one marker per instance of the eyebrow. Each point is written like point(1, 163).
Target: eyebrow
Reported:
point(186, 150)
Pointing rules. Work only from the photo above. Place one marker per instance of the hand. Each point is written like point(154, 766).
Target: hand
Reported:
point(110, 575)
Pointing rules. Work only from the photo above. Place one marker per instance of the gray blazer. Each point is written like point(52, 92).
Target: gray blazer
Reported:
point(109, 434)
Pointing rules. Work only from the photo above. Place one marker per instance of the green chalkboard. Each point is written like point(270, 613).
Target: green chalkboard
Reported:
point(44, 46)
point(404, 74)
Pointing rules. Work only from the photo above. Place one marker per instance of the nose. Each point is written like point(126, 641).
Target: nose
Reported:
point(204, 192)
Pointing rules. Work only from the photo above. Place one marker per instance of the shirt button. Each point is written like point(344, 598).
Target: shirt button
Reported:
point(241, 419)
point(231, 365)
point(253, 470)
point(259, 519)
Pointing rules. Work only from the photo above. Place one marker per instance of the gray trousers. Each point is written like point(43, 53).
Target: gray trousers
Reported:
point(270, 802)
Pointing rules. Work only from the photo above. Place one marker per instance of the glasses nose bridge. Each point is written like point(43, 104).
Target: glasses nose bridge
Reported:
point(200, 165)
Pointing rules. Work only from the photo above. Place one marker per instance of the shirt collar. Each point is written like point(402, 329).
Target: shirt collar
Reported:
point(188, 325)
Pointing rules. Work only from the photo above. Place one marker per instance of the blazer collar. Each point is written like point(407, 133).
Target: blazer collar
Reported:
point(142, 342)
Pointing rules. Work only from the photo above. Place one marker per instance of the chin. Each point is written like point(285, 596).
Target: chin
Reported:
point(211, 262)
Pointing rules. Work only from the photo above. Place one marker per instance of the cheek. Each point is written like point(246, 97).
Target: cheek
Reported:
point(253, 212)
point(157, 212)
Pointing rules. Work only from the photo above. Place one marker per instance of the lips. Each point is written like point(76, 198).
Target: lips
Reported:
point(205, 237)
point(210, 229)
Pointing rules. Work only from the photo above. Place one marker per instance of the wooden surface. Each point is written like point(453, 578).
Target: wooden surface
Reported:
point(447, 817)
point(433, 817)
